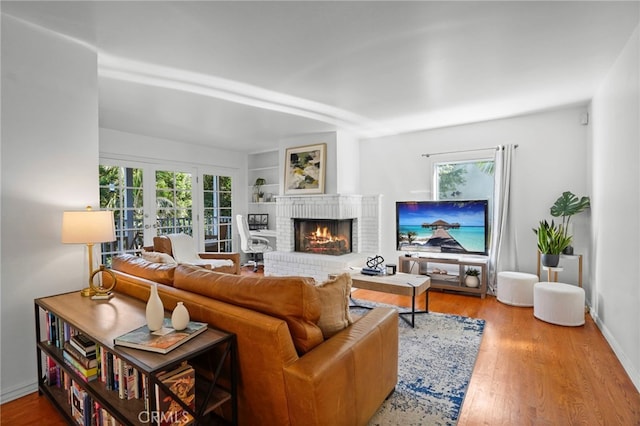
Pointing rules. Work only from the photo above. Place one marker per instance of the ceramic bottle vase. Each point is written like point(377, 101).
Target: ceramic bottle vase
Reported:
point(180, 317)
point(155, 310)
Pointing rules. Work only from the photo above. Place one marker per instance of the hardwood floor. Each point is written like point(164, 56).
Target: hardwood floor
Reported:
point(528, 372)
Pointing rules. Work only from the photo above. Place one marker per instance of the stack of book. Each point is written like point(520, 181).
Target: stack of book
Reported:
point(80, 354)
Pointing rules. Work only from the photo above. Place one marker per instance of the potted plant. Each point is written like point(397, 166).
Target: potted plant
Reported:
point(471, 278)
point(552, 240)
point(566, 206)
point(257, 188)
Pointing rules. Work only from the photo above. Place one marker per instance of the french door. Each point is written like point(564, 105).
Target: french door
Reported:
point(150, 200)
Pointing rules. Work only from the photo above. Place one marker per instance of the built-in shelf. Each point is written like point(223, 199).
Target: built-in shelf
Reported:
point(264, 165)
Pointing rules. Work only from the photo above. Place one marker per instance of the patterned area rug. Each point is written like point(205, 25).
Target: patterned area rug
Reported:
point(434, 368)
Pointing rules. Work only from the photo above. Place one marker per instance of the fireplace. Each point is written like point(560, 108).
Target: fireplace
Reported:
point(323, 236)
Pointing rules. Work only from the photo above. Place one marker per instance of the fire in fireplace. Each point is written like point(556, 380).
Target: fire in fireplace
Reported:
point(323, 236)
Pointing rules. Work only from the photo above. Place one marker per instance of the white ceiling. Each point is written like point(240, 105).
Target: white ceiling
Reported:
point(242, 75)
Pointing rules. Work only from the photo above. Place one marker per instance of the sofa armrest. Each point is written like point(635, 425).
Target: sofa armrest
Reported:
point(344, 380)
point(235, 257)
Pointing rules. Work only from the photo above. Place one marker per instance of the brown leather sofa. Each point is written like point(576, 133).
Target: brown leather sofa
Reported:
point(288, 373)
point(162, 244)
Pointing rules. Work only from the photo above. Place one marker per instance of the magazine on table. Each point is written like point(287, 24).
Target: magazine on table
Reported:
point(162, 341)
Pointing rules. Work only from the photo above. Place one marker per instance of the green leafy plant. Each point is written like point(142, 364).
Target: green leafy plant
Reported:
point(257, 186)
point(567, 205)
point(552, 238)
point(472, 272)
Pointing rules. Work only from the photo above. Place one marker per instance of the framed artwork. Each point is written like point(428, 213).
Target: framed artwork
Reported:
point(257, 221)
point(304, 169)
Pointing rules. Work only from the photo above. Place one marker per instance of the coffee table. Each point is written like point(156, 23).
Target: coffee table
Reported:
point(400, 283)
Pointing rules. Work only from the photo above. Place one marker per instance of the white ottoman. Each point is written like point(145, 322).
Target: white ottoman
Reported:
point(516, 288)
point(558, 303)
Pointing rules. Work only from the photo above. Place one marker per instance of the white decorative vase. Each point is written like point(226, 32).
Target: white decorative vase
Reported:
point(180, 317)
point(155, 310)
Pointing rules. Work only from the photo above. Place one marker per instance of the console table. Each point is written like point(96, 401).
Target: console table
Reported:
point(453, 282)
point(58, 317)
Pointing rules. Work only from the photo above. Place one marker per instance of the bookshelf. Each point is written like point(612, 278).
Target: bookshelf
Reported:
point(58, 317)
point(264, 165)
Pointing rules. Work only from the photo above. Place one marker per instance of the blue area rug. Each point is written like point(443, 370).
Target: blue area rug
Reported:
point(435, 364)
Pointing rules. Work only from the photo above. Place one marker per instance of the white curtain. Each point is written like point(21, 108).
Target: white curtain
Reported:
point(502, 234)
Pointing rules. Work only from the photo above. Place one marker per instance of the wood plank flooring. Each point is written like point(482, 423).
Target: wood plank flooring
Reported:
point(528, 372)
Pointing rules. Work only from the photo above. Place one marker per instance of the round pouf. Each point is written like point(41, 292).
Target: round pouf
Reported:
point(558, 303)
point(516, 288)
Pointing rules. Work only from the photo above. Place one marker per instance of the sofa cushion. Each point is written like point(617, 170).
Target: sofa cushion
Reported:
point(334, 298)
point(292, 299)
point(159, 272)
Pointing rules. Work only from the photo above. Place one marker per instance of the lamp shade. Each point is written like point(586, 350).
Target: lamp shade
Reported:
point(88, 226)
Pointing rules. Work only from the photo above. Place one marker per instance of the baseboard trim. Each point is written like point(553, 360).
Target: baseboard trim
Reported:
point(627, 365)
point(18, 391)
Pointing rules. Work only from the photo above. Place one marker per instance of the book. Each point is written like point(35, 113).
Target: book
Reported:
point(84, 345)
point(162, 341)
point(79, 404)
point(88, 373)
point(181, 382)
point(86, 362)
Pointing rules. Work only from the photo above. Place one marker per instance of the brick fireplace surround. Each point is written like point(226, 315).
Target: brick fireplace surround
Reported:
point(363, 209)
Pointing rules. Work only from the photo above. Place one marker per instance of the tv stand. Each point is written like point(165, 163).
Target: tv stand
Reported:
point(452, 280)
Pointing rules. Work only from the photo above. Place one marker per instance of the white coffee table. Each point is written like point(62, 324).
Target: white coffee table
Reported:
point(400, 283)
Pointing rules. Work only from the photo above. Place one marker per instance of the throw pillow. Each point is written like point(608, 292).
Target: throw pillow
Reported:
point(157, 257)
point(334, 311)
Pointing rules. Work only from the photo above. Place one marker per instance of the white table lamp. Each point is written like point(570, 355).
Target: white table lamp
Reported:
point(90, 227)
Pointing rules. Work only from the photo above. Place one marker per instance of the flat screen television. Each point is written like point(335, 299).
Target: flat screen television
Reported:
point(447, 226)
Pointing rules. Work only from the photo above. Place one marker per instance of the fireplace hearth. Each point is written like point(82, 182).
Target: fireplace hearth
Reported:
point(323, 236)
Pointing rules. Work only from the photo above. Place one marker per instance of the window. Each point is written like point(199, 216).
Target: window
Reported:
point(174, 203)
point(148, 201)
point(121, 191)
point(216, 194)
point(465, 180)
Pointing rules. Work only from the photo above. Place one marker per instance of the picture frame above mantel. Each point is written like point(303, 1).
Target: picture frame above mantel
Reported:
point(305, 169)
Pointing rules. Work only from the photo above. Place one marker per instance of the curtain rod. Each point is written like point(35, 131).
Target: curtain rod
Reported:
point(495, 148)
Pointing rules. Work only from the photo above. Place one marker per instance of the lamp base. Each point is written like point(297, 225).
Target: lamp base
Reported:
point(86, 292)
point(102, 296)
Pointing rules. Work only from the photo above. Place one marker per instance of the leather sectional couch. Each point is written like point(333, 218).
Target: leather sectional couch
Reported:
point(290, 373)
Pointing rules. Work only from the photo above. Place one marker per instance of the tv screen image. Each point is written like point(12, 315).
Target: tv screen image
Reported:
point(448, 226)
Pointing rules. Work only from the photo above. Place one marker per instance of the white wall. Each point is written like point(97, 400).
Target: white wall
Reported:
point(118, 144)
point(49, 164)
point(616, 207)
point(347, 164)
point(550, 159)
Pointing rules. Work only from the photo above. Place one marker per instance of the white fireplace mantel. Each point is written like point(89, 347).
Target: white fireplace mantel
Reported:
point(363, 209)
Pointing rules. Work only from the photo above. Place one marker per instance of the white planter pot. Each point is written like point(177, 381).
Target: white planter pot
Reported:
point(471, 281)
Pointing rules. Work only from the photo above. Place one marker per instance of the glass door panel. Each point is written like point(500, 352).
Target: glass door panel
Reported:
point(217, 229)
point(148, 201)
point(121, 190)
point(174, 202)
